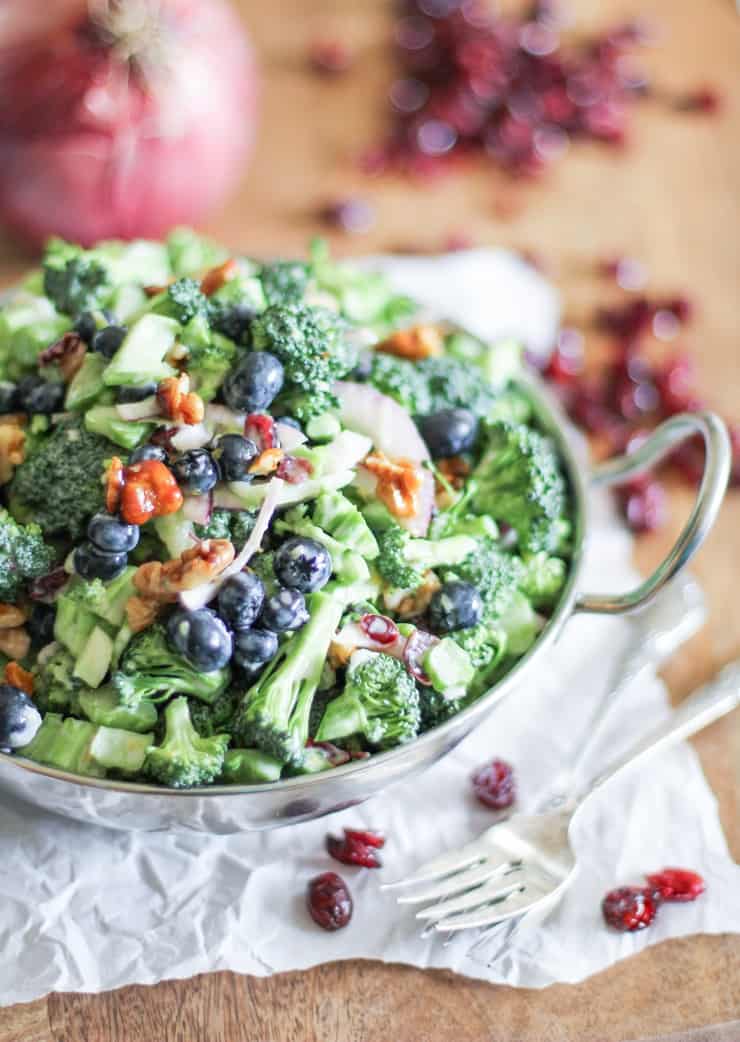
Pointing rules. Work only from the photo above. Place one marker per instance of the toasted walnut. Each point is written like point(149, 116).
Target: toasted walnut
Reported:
point(417, 602)
point(11, 616)
point(68, 353)
point(216, 277)
point(154, 291)
point(12, 443)
point(415, 342)
point(15, 642)
point(200, 564)
point(19, 677)
point(454, 469)
point(14, 419)
point(267, 462)
point(399, 482)
point(141, 613)
point(178, 402)
point(113, 485)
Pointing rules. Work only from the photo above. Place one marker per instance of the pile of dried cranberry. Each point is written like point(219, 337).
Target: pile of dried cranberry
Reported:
point(631, 392)
point(630, 908)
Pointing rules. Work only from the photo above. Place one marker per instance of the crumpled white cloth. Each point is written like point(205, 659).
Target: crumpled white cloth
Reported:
point(86, 909)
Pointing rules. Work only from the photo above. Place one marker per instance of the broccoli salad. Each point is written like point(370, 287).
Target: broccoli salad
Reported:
point(258, 519)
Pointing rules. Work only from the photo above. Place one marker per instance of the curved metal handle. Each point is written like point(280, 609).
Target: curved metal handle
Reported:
point(708, 501)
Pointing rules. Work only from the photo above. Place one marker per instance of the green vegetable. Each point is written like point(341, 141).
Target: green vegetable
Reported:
point(274, 714)
point(449, 668)
point(55, 689)
point(150, 669)
point(94, 660)
point(101, 706)
point(250, 767)
point(140, 358)
point(543, 579)
point(380, 701)
point(184, 759)
point(191, 254)
point(432, 384)
point(310, 343)
point(214, 717)
point(235, 525)
point(87, 383)
point(347, 563)
point(74, 280)
point(182, 300)
point(210, 356)
point(60, 484)
point(84, 748)
point(436, 707)
point(28, 324)
point(519, 481)
point(23, 556)
point(74, 621)
point(402, 560)
point(105, 421)
point(284, 282)
point(364, 297)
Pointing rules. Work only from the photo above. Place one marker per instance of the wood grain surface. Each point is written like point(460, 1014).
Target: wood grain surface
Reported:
point(672, 200)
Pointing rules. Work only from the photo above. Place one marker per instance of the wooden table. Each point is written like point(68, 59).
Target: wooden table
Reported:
point(671, 200)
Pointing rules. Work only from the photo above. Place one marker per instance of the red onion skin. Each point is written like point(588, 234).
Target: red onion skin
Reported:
point(107, 157)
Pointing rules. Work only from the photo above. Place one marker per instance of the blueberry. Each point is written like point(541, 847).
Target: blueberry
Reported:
point(19, 718)
point(41, 624)
point(111, 535)
point(196, 471)
point(85, 326)
point(235, 453)
point(284, 610)
point(137, 393)
point(35, 395)
point(364, 367)
point(8, 396)
point(233, 322)
point(455, 606)
point(448, 432)
point(201, 638)
point(107, 340)
point(253, 648)
point(254, 383)
point(240, 600)
point(148, 452)
point(302, 564)
point(92, 563)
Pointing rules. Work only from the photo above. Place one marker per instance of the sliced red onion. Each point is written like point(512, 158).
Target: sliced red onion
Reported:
point(379, 628)
point(146, 409)
point(47, 587)
point(290, 437)
point(334, 754)
point(393, 432)
point(202, 595)
point(353, 637)
point(221, 416)
point(198, 508)
point(416, 648)
point(191, 436)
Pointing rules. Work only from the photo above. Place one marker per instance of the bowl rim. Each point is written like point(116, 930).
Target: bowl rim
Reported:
point(554, 421)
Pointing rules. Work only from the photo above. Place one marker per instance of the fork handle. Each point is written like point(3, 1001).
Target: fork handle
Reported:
point(696, 712)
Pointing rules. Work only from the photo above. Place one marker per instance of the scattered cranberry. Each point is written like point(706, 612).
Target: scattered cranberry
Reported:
point(677, 884)
point(628, 273)
point(704, 100)
point(379, 628)
point(630, 908)
point(457, 241)
point(644, 504)
point(354, 215)
point(414, 651)
point(357, 847)
point(294, 469)
point(674, 381)
point(329, 57)
point(681, 307)
point(329, 901)
point(260, 429)
point(494, 785)
point(566, 361)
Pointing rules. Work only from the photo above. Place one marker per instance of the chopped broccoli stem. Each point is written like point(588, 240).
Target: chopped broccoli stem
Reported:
point(403, 561)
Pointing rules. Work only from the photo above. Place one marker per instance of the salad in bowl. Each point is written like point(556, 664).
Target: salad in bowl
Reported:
point(258, 519)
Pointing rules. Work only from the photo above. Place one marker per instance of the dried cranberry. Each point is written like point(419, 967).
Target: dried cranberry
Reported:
point(681, 307)
point(704, 100)
point(414, 651)
point(644, 504)
point(353, 214)
point(358, 847)
point(329, 57)
point(294, 469)
point(630, 908)
point(677, 884)
point(494, 785)
point(47, 587)
point(329, 901)
point(260, 429)
point(379, 628)
point(566, 361)
point(674, 382)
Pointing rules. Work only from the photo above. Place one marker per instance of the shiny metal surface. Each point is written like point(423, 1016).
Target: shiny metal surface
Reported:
point(225, 809)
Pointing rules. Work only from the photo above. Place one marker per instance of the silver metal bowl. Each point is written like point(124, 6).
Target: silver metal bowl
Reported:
point(222, 809)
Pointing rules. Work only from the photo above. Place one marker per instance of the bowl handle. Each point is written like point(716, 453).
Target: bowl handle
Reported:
point(714, 481)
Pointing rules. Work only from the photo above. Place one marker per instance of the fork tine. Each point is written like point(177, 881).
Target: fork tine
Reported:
point(494, 890)
point(475, 874)
point(516, 903)
point(444, 865)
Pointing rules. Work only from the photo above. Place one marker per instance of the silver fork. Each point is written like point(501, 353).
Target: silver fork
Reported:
point(527, 862)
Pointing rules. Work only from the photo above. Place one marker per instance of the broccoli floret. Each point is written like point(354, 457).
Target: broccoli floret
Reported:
point(182, 300)
point(338, 516)
point(190, 253)
point(479, 643)
point(215, 717)
point(274, 714)
point(285, 282)
point(210, 356)
point(364, 297)
point(23, 556)
point(184, 758)
point(55, 689)
point(432, 384)
point(310, 343)
point(73, 279)
point(60, 484)
point(519, 481)
point(150, 669)
point(250, 767)
point(380, 701)
point(543, 579)
point(435, 708)
point(403, 560)
point(234, 525)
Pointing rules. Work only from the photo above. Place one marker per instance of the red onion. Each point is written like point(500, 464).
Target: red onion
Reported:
point(146, 409)
point(198, 508)
point(121, 119)
point(191, 436)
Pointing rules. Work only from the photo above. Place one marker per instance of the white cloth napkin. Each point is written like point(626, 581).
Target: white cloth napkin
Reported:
point(86, 909)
